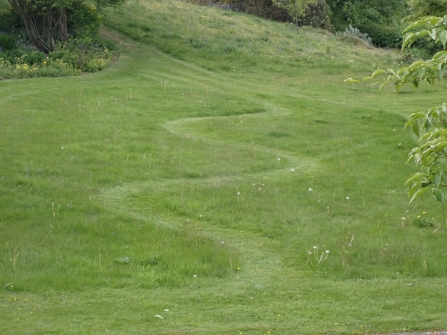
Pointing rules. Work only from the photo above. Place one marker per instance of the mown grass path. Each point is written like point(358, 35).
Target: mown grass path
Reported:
point(155, 185)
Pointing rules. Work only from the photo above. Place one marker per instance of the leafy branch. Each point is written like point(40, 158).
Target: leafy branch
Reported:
point(430, 126)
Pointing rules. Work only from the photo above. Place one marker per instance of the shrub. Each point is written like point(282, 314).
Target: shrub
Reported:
point(9, 19)
point(317, 15)
point(7, 42)
point(70, 58)
point(383, 36)
point(67, 56)
point(34, 57)
point(12, 56)
point(351, 31)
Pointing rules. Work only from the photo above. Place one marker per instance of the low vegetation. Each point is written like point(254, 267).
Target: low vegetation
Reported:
point(219, 178)
point(70, 58)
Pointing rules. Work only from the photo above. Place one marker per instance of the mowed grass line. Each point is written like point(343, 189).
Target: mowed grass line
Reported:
point(120, 197)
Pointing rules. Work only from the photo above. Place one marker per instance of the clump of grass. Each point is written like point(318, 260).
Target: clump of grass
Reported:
point(424, 221)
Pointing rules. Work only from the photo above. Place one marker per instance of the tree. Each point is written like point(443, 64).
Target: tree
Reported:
point(367, 11)
point(317, 15)
point(295, 8)
point(47, 21)
point(429, 126)
point(421, 8)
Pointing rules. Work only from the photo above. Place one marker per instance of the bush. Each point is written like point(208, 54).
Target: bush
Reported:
point(317, 15)
point(12, 56)
point(351, 31)
point(34, 57)
point(7, 42)
point(70, 58)
point(67, 56)
point(391, 37)
point(383, 36)
point(427, 48)
point(9, 19)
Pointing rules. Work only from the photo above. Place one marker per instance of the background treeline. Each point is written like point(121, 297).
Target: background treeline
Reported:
point(382, 20)
point(316, 14)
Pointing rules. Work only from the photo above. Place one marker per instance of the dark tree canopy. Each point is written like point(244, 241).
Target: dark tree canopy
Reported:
point(48, 21)
point(421, 8)
point(365, 11)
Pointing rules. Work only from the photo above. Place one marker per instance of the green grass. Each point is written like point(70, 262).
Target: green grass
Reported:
point(196, 175)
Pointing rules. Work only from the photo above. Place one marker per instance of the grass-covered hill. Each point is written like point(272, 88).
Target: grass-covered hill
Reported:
point(219, 178)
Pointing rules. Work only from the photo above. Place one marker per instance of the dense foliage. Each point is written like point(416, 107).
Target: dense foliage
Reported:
point(304, 12)
point(48, 21)
point(383, 36)
point(361, 11)
point(295, 8)
point(421, 8)
point(429, 125)
point(70, 58)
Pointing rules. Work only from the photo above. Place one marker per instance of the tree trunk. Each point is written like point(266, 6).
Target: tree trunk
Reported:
point(49, 27)
point(27, 15)
point(63, 24)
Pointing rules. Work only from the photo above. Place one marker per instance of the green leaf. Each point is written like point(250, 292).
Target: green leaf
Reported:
point(413, 190)
point(422, 33)
point(443, 37)
point(438, 178)
point(439, 195)
point(417, 24)
point(415, 128)
point(418, 194)
point(415, 177)
point(377, 73)
point(408, 124)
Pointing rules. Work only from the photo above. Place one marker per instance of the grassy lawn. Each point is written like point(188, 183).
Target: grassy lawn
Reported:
point(219, 178)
